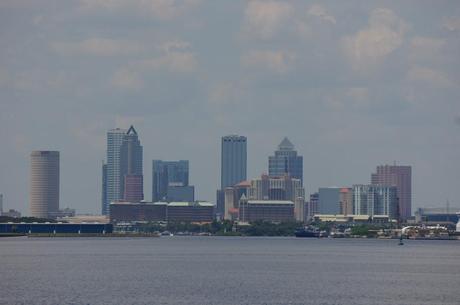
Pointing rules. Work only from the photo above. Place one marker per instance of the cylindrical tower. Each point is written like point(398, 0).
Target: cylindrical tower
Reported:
point(44, 183)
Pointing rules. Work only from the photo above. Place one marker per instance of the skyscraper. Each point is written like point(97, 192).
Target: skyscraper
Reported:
point(233, 167)
point(1, 204)
point(44, 183)
point(173, 175)
point(114, 172)
point(286, 161)
point(124, 160)
point(233, 160)
point(400, 177)
point(104, 202)
point(131, 159)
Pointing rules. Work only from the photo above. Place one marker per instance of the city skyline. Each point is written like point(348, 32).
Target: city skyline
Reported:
point(352, 84)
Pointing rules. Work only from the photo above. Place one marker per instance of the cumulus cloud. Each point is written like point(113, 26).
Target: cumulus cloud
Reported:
point(425, 48)
point(451, 23)
point(278, 62)
point(174, 57)
point(265, 18)
point(319, 11)
point(370, 46)
point(97, 47)
point(160, 9)
point(427, 76)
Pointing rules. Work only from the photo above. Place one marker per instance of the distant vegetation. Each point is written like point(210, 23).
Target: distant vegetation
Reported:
point(25, 219)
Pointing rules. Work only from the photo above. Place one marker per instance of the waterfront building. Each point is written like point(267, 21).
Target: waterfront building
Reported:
point(56, 228)
point(329, 200)
point(400, 177)
point(286, 161)
point(439, 215)
point(114, 168)
point(170, 176)
point(141, 211)
point(312, 206)
point(373, 200)
point(266, 210)
point(232, 199)
point(179, 192)
point(346, 201)
point(44, 183)
point(1, 204)
point(196, 211)
point(284, 188)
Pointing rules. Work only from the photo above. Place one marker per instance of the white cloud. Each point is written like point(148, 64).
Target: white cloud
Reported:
point(127, 79)
point(319, 11)
point(426, 76)
point(425, 48)
point(369, 47)
point(97, 47)
point(279, 62)
point(451, 23)
point(161, 9)
point(265, 18)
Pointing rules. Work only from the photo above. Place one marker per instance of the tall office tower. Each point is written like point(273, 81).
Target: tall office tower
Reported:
point(170, 175)
point(115, 139)
point(44, 184)
point(104, 202)
point(233, 160)
point(131, 167)
point(233, 167)
point(401, 177)
point(286, 161)
point(375, 200)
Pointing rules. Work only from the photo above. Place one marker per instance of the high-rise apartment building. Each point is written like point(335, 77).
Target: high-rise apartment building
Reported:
point(44, 184)
point(400, 177)
point(172, 176)
point(286, 161)
point(124, 159)
point(375, 200)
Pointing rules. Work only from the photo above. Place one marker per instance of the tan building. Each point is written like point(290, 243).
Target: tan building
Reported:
point(44, 183)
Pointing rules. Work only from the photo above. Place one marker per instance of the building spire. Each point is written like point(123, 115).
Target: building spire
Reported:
point(131, 131)
point(286, 145)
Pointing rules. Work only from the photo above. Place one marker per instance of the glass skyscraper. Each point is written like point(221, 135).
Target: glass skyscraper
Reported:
point(124, 157)
point(286, 161)
point(233, 160)
point(166, 174)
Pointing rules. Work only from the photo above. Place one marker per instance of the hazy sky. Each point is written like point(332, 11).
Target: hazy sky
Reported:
point(353, 84)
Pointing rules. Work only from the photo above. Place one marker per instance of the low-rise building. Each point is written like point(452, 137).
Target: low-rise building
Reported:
point(267, 210)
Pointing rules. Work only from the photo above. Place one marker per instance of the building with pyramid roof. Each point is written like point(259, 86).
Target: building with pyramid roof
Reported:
point(286, 162)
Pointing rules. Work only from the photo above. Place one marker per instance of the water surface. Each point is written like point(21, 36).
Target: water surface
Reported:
point(228, 270)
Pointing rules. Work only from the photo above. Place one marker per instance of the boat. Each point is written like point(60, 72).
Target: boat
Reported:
point(307, 232)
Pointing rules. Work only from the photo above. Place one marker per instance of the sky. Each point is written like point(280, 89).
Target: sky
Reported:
point(353, 84)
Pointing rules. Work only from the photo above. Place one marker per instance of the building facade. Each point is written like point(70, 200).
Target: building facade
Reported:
point(170, 176)
point(44, 183)
point(401, 177)
point(329, 200)
point(286, 162)
point(374, 200)
point(266, 210)
point(233, 168)
point(131, 165)
point(114, 168)
point(124, 166)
